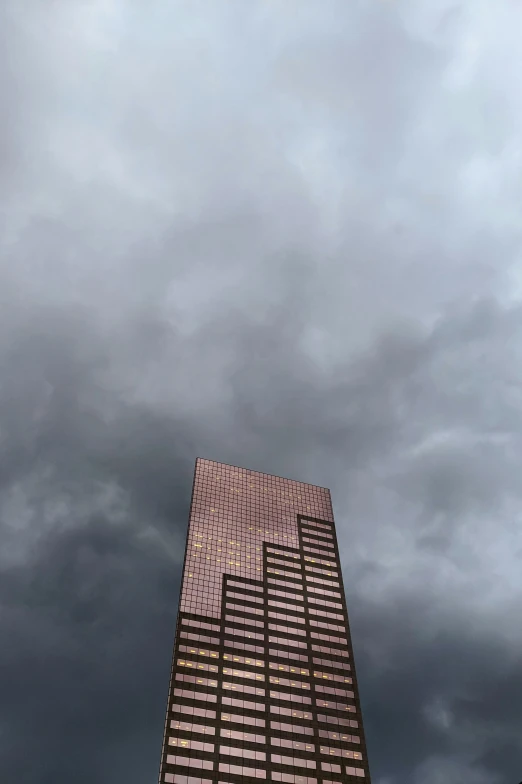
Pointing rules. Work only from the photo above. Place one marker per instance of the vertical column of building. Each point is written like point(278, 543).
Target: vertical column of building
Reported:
point(340, 742)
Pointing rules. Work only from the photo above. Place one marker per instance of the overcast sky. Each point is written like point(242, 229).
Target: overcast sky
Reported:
point(283, 234)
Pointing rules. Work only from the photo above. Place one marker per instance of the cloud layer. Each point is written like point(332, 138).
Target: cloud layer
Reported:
point(284, 236)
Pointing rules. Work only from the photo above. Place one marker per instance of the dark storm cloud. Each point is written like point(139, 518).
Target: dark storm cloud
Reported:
point(237, 233)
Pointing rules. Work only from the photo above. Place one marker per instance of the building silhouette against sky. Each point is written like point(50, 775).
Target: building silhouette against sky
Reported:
point(263, 684)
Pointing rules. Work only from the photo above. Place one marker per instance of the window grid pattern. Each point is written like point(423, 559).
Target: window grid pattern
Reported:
point(248, 551)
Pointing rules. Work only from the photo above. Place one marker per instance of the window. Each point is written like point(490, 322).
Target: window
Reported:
point(240, 718)
point(320, 581)
point(175, 778)
point(283, 617)
point(284, 641)
point(297, 745)
point(291, 778)
point(295, 729)
point(323, 592)
point(195, 695)
point(281, 695)
point(354, 771)
point(285, 553)
point(249, 737)
point(313, 600)
point(201, 638)
point(196, 679)
point(243, 633)
point(288, 654)
point(189, 726)
point(316, 535)
point(334, 627)
point(285, 606)
point(295, 714)
point(329, 638)
point(330, 677)
point(313, 524)
point(330, 767)
point(285, 594)
point(334, 690)
point(333, 751)
point(244, 608)
point(197, 745)
point(336, 720)
point(278, 759)
point(240, 687)
point(243, 597)
point(198, 651)
point(317, 570)
point(190, 762)
point(285, 629)
point(339, 706)
point(289, 668)
point(198, 665)
point(318, 543)
point(232, 751)
point(329, 663)
point(243, 704)
point(189, 710)
point(243, 660)
point(247, 621)
point(339, 736)
point(284, 584)
point(310, 559)
point(244, 586)
point(239, 770)
point(211, 627)
point(244, 646)
point(232, 671)
point(282, 572)
point(308, 549)
point(289, 682)
point(325, 614)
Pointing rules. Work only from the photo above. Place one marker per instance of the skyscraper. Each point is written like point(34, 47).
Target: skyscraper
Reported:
point(263, 682)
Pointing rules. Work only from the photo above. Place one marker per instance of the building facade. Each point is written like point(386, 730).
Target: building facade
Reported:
point(263, 685)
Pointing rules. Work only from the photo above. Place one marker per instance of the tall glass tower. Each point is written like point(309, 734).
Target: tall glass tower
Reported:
point(263, 683)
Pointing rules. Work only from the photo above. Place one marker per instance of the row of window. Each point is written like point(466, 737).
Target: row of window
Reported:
point(275, 652)
point(246, 621)
point(274, 680)
point(244, 597)
point(327, 545)
point(283, 595)
point(314, 524)
point(309, 559)
point(283, 584)
point(281, 572)
point(326, 614)
point(288, 668)
point(320, 572)
point(287, 655)
point(318, 551)
point(201, 638)
point(244, 608)
point(211, 627)
point(321, 535)
point(246, 586)
point(321, 581)
point(334, 627)
point(323, 592)
point(238, 718)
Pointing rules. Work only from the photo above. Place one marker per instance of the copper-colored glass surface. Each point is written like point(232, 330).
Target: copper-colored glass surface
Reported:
point(263, 682)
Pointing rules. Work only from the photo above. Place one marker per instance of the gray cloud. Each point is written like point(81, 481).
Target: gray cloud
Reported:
point(283, 236)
